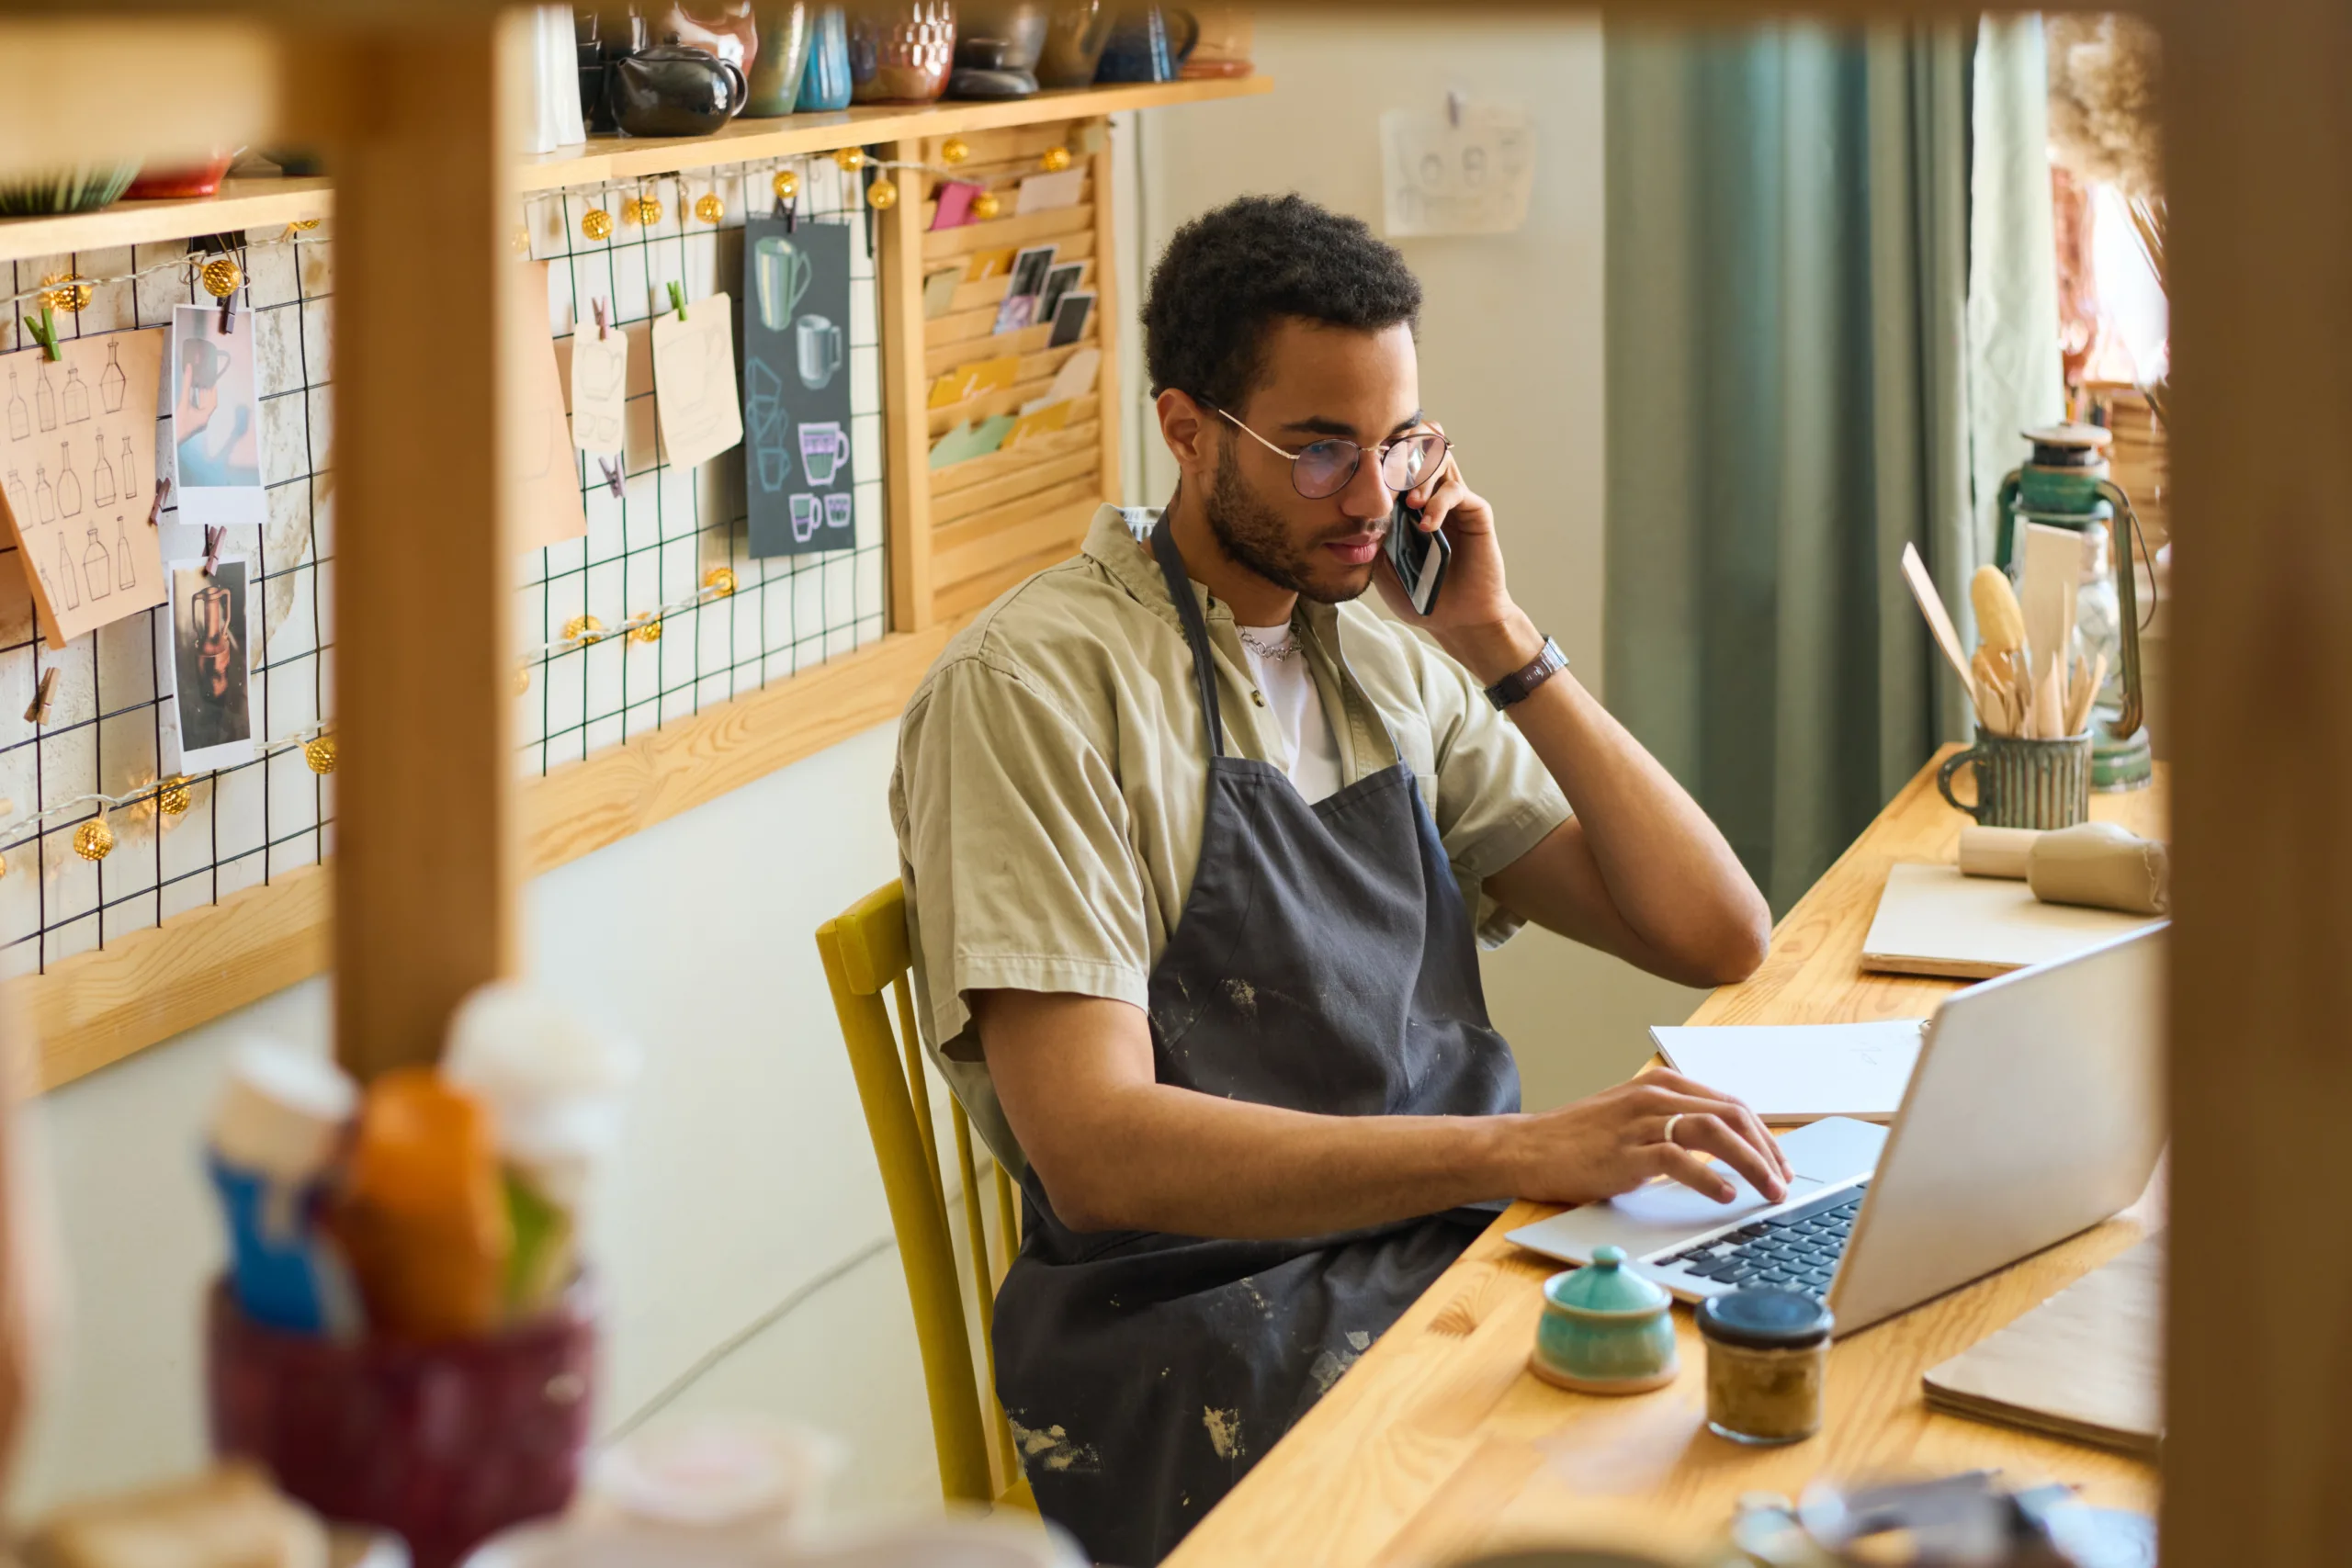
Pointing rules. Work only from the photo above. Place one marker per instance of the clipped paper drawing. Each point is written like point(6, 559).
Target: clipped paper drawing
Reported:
point(693, 381)
point(211, 707)
point(797, 386)
point(86, 484)
point(216, 422)
point(542, 473)
point(599, 389)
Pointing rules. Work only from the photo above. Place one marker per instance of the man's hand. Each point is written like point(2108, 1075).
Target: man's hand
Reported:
point(1616, 1140)
point(1474, 618)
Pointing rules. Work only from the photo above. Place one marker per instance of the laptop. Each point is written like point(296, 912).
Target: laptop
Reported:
point(2035, 1111)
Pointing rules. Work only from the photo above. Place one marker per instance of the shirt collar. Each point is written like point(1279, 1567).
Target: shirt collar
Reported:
point(1119, 541)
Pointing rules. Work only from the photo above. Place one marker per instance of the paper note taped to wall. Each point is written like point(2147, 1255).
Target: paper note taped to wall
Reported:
point(1468, 170)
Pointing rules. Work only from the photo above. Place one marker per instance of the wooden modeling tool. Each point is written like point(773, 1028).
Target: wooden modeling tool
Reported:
point(2053, 566)
point(1931, 605)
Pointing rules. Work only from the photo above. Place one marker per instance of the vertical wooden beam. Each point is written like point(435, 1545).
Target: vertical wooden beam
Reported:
point(424, 856)
point(905, 391)
point(2259, 1348)
point(1108, 322)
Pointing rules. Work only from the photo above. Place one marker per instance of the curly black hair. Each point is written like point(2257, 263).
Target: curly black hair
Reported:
point(1229, 274)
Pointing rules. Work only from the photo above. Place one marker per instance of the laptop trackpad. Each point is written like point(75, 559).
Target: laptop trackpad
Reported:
point(1660, 1215)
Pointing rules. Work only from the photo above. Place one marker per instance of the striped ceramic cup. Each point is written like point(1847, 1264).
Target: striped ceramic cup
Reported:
point(2024, 783)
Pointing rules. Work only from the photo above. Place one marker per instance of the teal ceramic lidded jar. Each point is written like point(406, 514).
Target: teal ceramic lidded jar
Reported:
point(1606, 1329)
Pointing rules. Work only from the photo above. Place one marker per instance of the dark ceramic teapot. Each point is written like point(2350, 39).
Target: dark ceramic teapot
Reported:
point(673, 90)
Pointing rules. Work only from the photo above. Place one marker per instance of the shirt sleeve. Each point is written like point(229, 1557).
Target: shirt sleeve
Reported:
point(1015, 841)
point(1496, 800)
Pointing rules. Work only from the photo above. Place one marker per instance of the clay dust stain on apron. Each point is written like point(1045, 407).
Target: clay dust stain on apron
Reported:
point(1224, 1428)
point(1052, 1450)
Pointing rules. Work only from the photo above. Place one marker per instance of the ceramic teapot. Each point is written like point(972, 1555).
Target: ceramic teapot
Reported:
point(673, 90)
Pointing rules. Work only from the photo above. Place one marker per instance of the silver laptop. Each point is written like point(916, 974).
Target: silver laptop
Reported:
point(2035, 1111)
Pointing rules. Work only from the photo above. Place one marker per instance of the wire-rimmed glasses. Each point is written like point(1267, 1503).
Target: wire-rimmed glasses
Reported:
point(1323, 468)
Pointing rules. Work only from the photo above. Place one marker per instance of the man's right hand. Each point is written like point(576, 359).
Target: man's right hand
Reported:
point(1616, 1140)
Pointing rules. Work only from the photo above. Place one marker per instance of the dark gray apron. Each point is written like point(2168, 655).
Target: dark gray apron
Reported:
point(1324, 961)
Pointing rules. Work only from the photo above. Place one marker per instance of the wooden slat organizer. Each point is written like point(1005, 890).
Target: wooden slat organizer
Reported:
point(964, 533)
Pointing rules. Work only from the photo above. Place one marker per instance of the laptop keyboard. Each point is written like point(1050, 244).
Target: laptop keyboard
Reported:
point(1796, 1250)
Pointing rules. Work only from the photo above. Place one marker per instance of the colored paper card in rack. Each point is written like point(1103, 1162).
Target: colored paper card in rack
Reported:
point(1043, 421)
point(1069, 320)
point(77, 468)
point(693, 381)
point(1059, 281)
point(1791, 1074)
point(986, 265)
point(968, 441)
point(939, 291)
point(800, 469)
point(1074, 379)
point(967, 381)
point(1049, 193)
point(542, 470)
point(954, 204)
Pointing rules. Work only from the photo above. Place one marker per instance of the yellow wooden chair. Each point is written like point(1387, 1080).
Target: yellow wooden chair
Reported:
point(864, 950)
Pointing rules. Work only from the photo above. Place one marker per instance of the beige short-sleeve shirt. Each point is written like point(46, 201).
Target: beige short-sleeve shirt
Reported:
point(1053, 770)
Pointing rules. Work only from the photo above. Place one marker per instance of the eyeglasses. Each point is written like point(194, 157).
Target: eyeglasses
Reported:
point(1324, 468)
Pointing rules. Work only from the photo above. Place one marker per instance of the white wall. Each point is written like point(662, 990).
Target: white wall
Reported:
point(1511, 360)
point(748, 1183)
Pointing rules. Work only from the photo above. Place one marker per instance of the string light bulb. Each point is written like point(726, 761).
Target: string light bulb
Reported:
point(881, 196)
point(649, 632)
point(644, 211)
point(787, 183)
point(221, 276)
point(720, 580)
point(709, 208)
point(173, 797)
point(63, 291)
point(583, 629)
point(954, 149)
point(1055, 160)
point(596, 223)
point(985, 205)
point(850, 159)
point(522, 680)
point(94, 840)
point(318, 754)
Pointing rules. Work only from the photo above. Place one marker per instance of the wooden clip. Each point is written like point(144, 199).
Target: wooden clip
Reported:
point(38, 712)
point(162, 494)
point(678, 299)
point(612, 472)
point(212, 540)
point(229, 313)
point(603, 328)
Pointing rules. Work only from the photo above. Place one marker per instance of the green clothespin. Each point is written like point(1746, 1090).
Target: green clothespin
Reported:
point(44, 331)
point(677, 302)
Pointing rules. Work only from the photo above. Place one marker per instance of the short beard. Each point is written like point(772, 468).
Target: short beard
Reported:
point(1253, 534)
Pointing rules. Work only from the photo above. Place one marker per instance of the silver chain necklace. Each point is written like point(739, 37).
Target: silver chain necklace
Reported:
point(1265, 646)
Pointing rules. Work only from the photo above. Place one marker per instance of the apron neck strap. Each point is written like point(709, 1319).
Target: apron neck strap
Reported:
point(1196, 629)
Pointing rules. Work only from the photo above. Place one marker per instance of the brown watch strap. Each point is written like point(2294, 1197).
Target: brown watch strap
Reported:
point(1515, 686)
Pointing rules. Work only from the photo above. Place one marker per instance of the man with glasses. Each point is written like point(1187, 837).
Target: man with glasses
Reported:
point(1200, 849)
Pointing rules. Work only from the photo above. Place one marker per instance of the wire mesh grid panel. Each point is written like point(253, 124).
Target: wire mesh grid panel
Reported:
point(654, 544)
point(659, 540)
point(174, 849)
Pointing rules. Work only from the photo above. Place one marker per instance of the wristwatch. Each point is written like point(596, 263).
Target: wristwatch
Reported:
point(1515, 686)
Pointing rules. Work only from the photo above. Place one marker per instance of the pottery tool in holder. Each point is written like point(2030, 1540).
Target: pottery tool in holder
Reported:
point(2027, 680)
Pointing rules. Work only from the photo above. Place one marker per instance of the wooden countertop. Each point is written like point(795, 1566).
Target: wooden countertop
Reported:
point(1438, 1443)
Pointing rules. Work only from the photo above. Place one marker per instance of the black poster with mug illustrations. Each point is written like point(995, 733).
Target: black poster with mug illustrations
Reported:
point(797, 467)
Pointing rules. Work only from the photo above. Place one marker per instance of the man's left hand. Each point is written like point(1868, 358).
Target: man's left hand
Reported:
point(1474, 618)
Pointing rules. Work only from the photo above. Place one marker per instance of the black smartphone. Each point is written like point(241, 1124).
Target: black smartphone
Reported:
point(1420, 558)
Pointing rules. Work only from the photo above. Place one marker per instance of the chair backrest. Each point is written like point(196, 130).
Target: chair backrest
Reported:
point(866, 954)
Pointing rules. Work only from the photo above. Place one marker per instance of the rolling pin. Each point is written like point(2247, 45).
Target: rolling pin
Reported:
point(2096, 864)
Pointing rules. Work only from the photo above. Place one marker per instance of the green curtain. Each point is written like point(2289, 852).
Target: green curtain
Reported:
point(1788, 260)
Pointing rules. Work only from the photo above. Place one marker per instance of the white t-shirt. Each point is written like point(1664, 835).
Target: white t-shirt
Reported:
point(1278, 663)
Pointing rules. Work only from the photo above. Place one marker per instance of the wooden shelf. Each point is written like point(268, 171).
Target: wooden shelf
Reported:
point(627, 158)
point(266, 203)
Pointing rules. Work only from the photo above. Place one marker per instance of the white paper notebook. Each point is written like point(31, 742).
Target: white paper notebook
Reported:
point(1789, 1073)
point(1933, 920)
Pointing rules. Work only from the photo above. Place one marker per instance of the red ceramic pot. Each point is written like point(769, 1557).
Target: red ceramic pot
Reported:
point(446, 1443)
point(200, 179)
point(901, 51)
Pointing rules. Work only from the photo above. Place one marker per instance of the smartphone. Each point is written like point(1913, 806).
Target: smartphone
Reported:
point(1420, 559)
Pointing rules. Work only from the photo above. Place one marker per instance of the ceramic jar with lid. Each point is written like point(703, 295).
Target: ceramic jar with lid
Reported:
point(1607, 1328)
point(1768, 1361)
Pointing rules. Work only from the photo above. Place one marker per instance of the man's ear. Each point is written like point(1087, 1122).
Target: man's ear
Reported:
point(1184, 424)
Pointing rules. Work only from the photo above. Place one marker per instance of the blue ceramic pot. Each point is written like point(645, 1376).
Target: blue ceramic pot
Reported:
point(1606, 1329)
point(825, 80)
